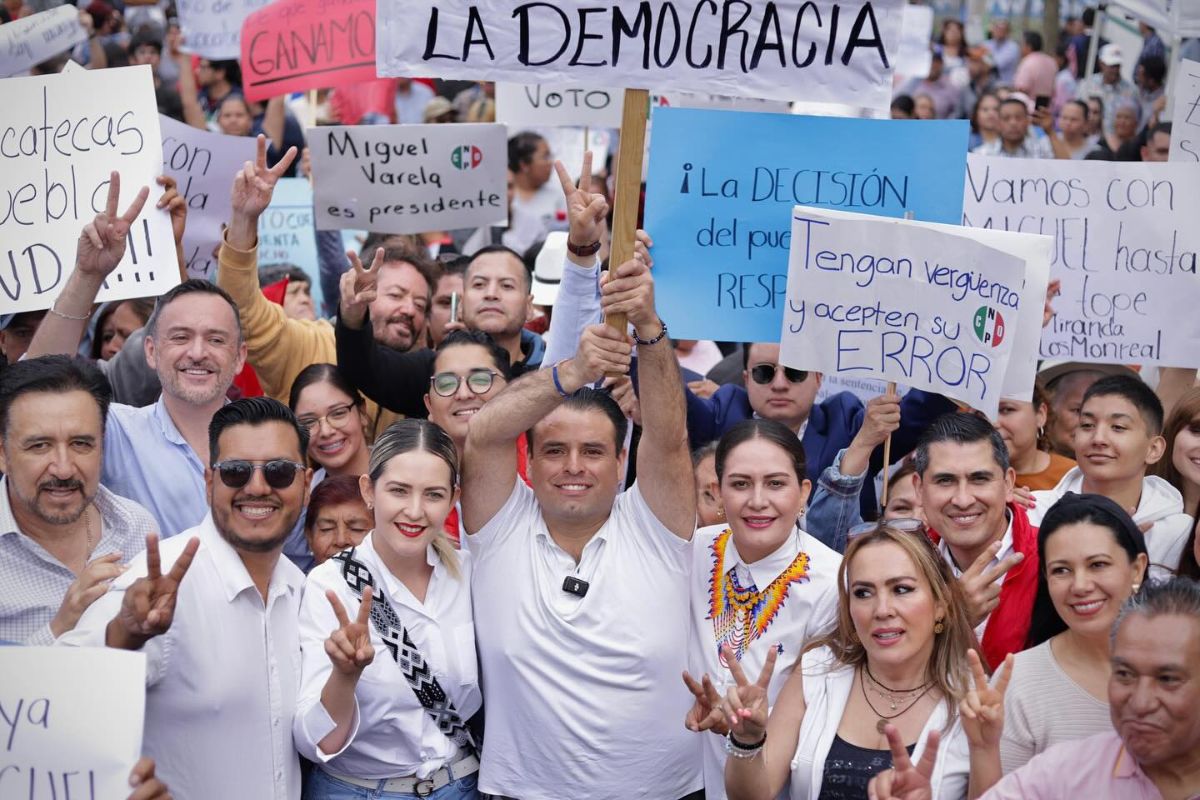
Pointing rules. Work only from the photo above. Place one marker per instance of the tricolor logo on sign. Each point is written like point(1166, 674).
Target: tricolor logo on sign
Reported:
point(466, 157)
point(989, 326)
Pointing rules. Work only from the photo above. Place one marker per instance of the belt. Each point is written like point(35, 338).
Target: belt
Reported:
point(421, 787)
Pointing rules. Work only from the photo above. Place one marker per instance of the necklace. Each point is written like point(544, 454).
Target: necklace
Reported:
point(888, 693)
point(883, 718)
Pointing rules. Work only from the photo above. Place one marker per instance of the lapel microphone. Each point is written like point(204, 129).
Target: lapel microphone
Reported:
point(575, 586)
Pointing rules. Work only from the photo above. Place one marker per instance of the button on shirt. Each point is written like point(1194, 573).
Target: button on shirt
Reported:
point(583, 694)
point(221, 684)
point(809, 608)
point(393, 735)
point(1006, 547)
point(35, 582)
point(147, 460)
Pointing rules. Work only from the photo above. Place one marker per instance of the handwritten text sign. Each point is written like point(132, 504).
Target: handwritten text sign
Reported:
point(60, 138)
point(294, 45)
point(720, 210)
point(1125, 249)
point(913, 57)
point(409, 178)
point(203, 165)
point(891, 300)
point(213, 28)
point(70, 721)
point(1185, 127)
point(836, 50)
point(538, 104)
point(34, 39)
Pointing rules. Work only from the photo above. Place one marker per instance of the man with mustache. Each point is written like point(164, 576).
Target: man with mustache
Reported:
point(63, 536)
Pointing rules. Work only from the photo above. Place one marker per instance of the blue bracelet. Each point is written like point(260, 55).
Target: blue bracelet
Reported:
point(557, 385)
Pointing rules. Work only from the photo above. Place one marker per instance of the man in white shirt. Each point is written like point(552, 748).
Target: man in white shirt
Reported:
point(580, 591)
point(1016, 139)
point(222, 647)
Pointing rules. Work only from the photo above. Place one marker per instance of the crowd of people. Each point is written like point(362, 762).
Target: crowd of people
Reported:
point(452, 536)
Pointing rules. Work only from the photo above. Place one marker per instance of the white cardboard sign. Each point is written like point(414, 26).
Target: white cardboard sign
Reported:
point(213, 28)
point(525, 105)
point(1185, 113)
point(36, 38)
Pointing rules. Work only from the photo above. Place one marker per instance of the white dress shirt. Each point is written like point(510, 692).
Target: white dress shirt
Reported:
point(809, 608)
point(392, 735)
point(221, 684)
point(583, 695)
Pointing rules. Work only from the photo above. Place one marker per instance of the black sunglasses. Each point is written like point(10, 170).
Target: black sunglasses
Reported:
point(279, 473)
point(765, 373)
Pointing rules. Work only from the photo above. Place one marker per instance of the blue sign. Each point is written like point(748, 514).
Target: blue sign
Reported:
point(722, 184)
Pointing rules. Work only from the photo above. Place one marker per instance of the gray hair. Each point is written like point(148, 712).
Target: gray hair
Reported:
point(1176, 596)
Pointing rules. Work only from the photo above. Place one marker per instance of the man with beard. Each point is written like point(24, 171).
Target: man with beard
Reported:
point(222, 647)
point(63, 536)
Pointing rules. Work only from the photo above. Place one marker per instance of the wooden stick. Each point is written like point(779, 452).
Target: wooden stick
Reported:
point(887, 452)
point(627, 193)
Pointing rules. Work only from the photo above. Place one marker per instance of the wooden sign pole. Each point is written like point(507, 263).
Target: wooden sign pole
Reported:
point(628, 191)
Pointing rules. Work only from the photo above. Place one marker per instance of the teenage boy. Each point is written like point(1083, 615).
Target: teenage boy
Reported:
point(1119, 435)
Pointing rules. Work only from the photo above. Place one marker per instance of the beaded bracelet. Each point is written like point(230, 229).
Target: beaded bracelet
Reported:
point(738, 750)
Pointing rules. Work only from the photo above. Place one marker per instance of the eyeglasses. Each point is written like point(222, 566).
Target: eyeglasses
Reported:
point(765, 373)
point(278, 473)
point(479, 381)
point(902, 524)
point(336, 416)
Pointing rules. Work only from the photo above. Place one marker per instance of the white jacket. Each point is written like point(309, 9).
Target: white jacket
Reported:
point(1161, 504)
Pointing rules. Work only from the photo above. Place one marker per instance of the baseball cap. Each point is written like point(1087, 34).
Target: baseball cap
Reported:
point(548, 268)
point(1110, 55)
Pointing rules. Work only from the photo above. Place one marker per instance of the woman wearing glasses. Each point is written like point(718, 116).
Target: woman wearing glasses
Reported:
point(898, 656)
point(334, 413)
point(389, 675)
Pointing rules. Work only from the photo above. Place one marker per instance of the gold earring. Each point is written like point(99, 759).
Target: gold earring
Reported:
point(938, 627)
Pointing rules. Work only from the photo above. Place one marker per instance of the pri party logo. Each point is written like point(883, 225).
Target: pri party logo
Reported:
point(989, 326)
point(466, 157)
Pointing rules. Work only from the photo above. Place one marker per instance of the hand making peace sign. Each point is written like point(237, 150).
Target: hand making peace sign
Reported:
point(149, 604)
point(586, 211)
point(102, 242)
point(982, 709)
point(705, 714)
point(745, 705)
point(904, 781)
point(254, 185)
point(358, 289)
point(349, 647)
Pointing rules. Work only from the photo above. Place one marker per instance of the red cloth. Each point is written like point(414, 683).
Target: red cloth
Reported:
point(451, 524)
point(350, 103)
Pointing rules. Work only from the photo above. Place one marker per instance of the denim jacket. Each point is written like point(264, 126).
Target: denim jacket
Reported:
point(834, 507)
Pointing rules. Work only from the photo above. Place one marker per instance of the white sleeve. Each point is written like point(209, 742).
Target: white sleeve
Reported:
point(516, 515)
point(648, 533)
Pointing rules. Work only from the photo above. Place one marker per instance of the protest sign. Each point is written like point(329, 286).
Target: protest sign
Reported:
point(913, 56)
point(524, 105)
point(61, 137)
point(409, 178)
point(720, 211)
point(213, 28)
point(1125, 249)
point(724, 101)
point(38, 37)
point(835, 50)
point(566, 145)
point(1185, 129)
point(896, 301)
point(203, 165)
point(294, 45)
point(286, 234)
point(71, 721)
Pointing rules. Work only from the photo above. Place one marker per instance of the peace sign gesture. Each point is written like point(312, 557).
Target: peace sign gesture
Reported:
point(745, 705)
point(705, 714)
point(983, 708)
point(149, 603)
point(981, 581)
point(349, 647)
point(904, 781)
point(254, 185)
point(358, 289)
point(102, 241)
point(586, 211)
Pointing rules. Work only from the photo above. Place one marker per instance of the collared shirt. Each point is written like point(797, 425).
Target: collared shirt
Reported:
point(1098, 768)
point(1034, 146)
point(392, 735)
point(221, 684)
point(35, 582)
point(582, 695)
point(807, 607)
point(1006, 547)
point(147, 460)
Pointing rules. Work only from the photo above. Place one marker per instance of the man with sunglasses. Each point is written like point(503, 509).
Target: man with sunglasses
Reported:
point(222, 646)
point(788, 395)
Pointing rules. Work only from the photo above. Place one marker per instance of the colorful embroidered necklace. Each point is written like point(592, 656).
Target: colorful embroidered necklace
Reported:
point(739, 615)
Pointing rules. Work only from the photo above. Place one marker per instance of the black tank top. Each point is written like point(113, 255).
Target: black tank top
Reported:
point(849, 768)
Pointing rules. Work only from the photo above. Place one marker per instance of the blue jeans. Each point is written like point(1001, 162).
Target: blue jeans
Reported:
point(322, 786)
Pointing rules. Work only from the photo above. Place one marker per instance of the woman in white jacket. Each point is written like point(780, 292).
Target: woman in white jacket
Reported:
point(898, 656)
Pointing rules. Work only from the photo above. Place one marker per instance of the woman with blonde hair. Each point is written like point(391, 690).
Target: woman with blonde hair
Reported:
point(395, 725)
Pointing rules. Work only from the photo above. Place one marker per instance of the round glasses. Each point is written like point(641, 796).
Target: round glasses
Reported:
point(479, 381)
point(765, 373)
point(336, 416)
point(278, 473)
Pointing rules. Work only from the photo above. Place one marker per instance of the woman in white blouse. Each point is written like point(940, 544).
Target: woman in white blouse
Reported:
point(389, 675)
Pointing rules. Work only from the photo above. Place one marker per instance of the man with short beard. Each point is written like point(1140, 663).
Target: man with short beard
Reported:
point(222, 647)
point(63, 536)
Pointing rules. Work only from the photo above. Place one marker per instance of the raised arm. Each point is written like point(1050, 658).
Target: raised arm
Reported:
point(761, 747)
point(193, 114)
point(274, 120)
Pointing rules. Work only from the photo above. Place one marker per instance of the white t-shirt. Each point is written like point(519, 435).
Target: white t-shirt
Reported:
point(582, 695)
point(547, 208)
point(807, 606)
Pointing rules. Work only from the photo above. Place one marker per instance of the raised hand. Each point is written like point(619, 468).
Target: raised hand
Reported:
point(980, 583)
point(148, 787)
point(629, 290)
point(175, 204)
point(586, 211)
point(904, 781)
point(1023, 496)
point(349, 647)
point(1053, 290)
point(621, 388)
point(102, 242)
point(149, 604)
point(745, 704)
point(90, 585)
point(602, 351)
point(254, 185)
point(982, 709)
point(705, 714)
point(358, 289)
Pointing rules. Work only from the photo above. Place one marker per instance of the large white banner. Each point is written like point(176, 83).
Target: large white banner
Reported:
point(409, 178)
point(1185, 113)
point(828, 50)
point(203, 165)
point(1126, 238)
point(213, 28)
point(70, 721)
point(914, 56)
point(36, 38)
point(893, 300)
point(60, 137)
